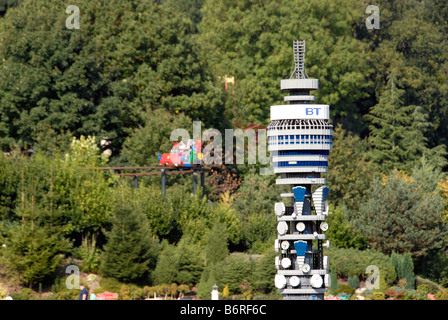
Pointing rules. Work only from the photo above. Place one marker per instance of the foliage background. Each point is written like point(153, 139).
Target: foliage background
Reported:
point(136, 70)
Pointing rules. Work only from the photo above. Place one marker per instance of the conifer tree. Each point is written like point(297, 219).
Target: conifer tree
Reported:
point(398, 132)
point(207, 281)
point(404, 267)
point(399, 217)
point(389, 121)
point(264, 272)
point(349, 180)
point(33, 252)
point(216, 249)
point(407, 266)
point(167, 266)
point(131, 251)
point(334, 279)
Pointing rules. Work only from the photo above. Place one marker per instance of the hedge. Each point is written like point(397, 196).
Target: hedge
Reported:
point(350, 262)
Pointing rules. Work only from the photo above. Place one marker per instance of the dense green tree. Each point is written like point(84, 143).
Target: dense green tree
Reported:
point(399, 217)
point(435, 268)
point(81, 192)
point(137, 70)
point(56, 190)
point(196, 216)
point(127, 57)
point(349, 172)
point(222, 212)
point(254, 201)
point(207, 281)
point(233, 270)
point(351, 261)
point(131, 251)
point(407, 267)
point(191, 7)
point(255, 195)
point(404, 267)
point(398, 131)
point(182, 263)
point(264, 271)
point(143, 144)
point(409, 43)
point(353, 281)
point(216, 249)
point(9, 186)
point(166, 269)
point(252, 41)
point(148, 200)
point(342, 233)
point(6, 4)
point(428, 176)
point(190, 263)
point(334, 279)
point(33, 252)
point(260, 231)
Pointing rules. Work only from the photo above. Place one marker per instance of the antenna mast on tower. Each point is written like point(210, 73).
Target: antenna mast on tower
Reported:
point(299, 60)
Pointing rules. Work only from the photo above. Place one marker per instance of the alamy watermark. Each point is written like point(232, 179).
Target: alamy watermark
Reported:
point(214, 153)
point(372, 280)
point(72, 281)
point(373, 21)
point(72, 21)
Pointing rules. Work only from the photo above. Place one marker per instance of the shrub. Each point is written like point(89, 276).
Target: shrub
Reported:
point(24, 294)
point(441, 295)
point(274, 295)
point(166, 290)
point(344, 289)
point(60, 292)
point(432, 286)
point(345, 235)
point(182, 289)
point(208, 279)
point(378, 296)
point(149, 291)
point(3, 291)
point(395, 293)
point(132, 292)
point(225, 292)
point(422, 292)
point(410, 295)
point(182, 264)
point(334, 279)
point(263, 272)
point(235, 269)
point(246, 290)
point(354, 262)
point(353, 281)
point(109, 284)
point(404, 268)
point(90, 258)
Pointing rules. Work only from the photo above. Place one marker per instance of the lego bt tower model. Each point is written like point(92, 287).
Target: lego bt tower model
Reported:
point(299, 139)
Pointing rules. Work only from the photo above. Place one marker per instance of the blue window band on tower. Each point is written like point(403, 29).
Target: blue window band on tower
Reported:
point(283, 164)
point(300, 153)
point(303, 139)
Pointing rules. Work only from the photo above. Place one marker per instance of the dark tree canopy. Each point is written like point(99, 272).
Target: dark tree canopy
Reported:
point(398, 217)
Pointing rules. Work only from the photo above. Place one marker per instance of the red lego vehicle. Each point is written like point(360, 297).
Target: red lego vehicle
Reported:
point(183, 155)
